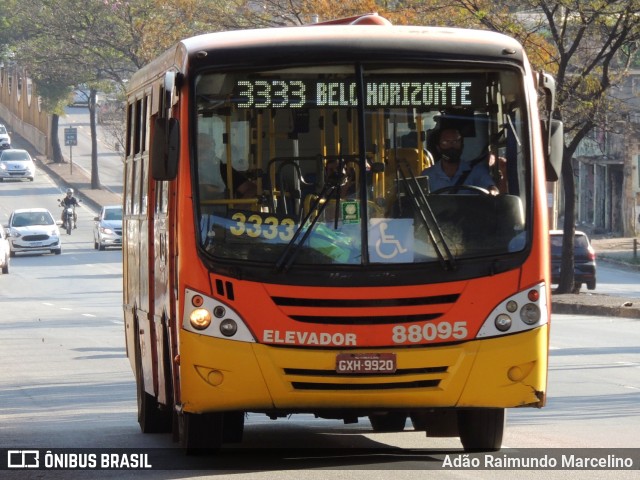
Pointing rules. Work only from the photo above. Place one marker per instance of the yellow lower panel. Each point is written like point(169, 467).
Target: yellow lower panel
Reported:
point(425, 376)
point(509, 372)
point(219, 375)
point(226, 375)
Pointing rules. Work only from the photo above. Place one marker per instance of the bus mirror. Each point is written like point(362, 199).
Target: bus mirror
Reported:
point(168, 89)
point(555, 152)
point(548, 84)
point(165, 149)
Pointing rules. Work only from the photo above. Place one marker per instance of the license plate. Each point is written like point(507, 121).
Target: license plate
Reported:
point(366, 363)
point(35, 244)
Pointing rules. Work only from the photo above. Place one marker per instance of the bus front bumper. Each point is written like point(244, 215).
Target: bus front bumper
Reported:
point(500, 372)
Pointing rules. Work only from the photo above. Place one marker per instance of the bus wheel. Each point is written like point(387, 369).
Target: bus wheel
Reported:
point(151, 418)
point(388, 422)
point(200, 433)
point(233, 427)
point(482, 428)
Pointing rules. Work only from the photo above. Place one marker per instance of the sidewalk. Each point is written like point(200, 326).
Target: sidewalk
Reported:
point(614, 250)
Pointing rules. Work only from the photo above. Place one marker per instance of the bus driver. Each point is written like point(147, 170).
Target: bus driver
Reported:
point(450, 171)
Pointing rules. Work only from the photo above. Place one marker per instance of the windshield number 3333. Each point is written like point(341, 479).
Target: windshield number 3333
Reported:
point(268, 227)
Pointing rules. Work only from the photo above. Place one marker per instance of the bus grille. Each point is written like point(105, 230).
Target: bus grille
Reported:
point(395, 380)
point(364, 386)
point(316, 310)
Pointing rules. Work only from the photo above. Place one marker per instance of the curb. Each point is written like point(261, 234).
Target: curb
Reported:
point(596, 310)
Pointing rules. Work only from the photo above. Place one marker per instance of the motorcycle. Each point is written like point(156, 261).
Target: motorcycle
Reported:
point(68, 217)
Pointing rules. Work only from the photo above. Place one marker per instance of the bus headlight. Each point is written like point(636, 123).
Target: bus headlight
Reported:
point(228, 327)
point(530, 314)
point(210, 317)
point(529, 304)
point(200, 318)
point(503, 322)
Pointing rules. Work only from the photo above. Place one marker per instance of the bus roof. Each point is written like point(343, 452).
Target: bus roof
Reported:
point(337, 43)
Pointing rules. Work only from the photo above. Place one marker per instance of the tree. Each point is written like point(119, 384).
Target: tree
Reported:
point(237, 14)
point(588, 45)
point(100, 42)
point(50, 48)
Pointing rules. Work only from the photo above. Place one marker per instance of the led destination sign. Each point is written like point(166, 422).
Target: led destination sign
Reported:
point(433, 92)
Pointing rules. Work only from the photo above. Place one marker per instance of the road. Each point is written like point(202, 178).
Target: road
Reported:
point(613, 280)
point(67, 383)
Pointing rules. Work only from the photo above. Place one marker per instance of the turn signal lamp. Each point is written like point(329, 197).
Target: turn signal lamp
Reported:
point(197, 301)
point(200, 318)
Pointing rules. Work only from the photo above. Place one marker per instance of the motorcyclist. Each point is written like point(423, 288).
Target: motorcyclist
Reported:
point(70, 201)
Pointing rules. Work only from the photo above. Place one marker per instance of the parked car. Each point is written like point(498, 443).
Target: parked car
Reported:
point(33, 230)
point(5, 255)
point(584, 257)
point(16, 163)
point(107, 231)
point(5, 139)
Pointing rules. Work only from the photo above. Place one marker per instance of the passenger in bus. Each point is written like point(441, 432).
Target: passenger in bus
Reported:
point(209, 178)
point(345, 178)
point(212, 173)
point(449, 170)
point(243, 186)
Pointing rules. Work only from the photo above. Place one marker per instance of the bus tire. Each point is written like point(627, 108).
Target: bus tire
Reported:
point(200, 433)
point(481, 429)
point(233, 427)
point(388, 422)
point(152, 418)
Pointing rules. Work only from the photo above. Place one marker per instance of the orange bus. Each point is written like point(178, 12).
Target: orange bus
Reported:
point(286, 252)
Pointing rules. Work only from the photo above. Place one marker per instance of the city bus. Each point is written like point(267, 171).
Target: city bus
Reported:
point(284, 252)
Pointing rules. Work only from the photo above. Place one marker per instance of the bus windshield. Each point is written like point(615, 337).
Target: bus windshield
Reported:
point(338, 164)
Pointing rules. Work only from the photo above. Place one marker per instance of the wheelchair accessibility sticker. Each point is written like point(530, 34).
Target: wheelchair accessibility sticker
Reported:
point(391, 241)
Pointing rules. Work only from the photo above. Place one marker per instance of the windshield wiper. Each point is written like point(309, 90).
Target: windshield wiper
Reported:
point(330, 188)
point(421, 205)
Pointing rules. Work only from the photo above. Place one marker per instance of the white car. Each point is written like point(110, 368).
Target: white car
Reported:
point(5, 139)
point(33, 230)
point(107, 230)
point(16, 163)
point(5, 255)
